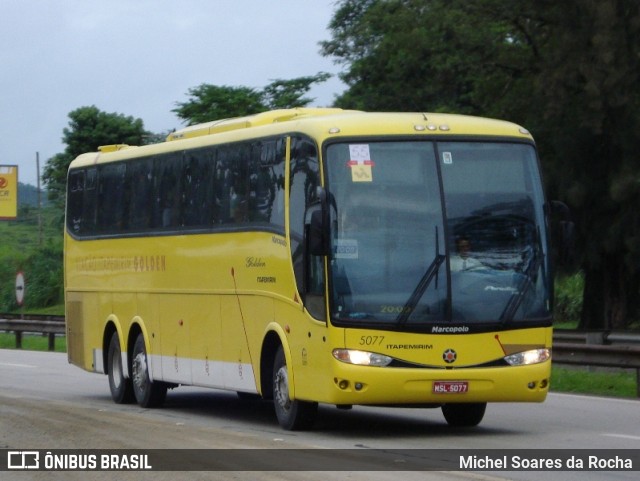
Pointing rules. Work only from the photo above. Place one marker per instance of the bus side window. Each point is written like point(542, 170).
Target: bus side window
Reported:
point(223, 184)
point(75, 197)
point(239, 201)
point(197, 177)
point(90, 203)
point(305, 180)
point(111, 195)
point(140, 183)
point(167, 170)
point(266, 189)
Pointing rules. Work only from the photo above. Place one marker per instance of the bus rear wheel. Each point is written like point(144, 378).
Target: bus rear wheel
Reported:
point(464, 414)
point(292, 415)
point(121, 387)
point(148, 394)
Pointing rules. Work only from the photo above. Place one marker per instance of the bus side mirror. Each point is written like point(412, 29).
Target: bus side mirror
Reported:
point(318, 235)
point(318, 227)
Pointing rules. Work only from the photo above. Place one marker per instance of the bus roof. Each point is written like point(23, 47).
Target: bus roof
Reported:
point(264, 118)
point(321, 123)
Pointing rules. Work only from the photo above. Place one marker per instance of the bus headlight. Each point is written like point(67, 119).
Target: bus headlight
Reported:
point(361, 358)
point(534, 356)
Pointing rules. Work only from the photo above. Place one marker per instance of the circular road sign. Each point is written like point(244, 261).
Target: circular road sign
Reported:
point(20, 287)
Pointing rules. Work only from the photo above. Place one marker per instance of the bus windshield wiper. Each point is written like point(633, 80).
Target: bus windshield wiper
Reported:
point(420, 289)
point(518, 296)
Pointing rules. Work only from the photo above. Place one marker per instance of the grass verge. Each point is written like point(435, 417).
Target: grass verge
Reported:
point(32, 342)
point(585, 380)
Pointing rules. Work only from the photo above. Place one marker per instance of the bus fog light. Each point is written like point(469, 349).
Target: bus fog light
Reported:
point(535, 356)
point(361, 358)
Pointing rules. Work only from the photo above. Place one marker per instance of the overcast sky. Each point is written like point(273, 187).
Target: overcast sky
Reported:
point(140, 57)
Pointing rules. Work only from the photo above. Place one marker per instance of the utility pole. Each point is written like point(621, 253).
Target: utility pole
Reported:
point(39, 200)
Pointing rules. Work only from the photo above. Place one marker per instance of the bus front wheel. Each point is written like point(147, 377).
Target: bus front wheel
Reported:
point(464, 414)
point(292, 414)
point(121, 387)
point(148, 394)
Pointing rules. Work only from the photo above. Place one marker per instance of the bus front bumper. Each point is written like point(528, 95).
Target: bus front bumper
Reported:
point(353, 384)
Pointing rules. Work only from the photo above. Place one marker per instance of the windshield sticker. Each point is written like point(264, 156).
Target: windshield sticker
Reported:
point(346, 249)
point(447, 158)
point(360, 163)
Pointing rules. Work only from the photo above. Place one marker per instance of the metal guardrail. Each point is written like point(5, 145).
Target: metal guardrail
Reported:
point(618, 356)
point(615, 349)
point(593, 348)
point(36, 324)
point(596, 337)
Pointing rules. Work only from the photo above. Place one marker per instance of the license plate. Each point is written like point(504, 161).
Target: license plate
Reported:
point(450, 387)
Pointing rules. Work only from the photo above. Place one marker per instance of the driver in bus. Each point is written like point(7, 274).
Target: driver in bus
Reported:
point(462, 260)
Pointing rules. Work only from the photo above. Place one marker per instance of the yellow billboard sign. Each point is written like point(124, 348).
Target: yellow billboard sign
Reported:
point(8, 192)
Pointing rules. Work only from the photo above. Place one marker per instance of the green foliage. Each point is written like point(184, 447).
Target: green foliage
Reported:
point(212, 102)
point(568, 298)
point(32, 342)
point(54, 177)
point(20, 250)
point(285, 94)
point(43, 269)
point(10, 260)
point(605, 383)
point(90, 128)
point(437, 55)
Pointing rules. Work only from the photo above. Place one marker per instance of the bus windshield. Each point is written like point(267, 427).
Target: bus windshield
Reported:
point(433, 233)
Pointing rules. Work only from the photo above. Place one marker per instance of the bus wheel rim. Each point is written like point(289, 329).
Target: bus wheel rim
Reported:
point(281, 388)
point(140, 371)
point(117, 371)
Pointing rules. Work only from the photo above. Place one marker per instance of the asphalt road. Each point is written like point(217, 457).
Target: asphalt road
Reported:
point(45, 403)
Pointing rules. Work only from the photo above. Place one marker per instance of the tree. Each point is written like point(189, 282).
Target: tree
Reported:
point(54, 177)
point(213, 102)
point(592, 73)
point(568, 70)
point(436, 55)
point(285, 94)
point(88, 129)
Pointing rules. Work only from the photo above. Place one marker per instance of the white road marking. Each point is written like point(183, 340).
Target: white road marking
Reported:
point(10, 364)
point(623, 436)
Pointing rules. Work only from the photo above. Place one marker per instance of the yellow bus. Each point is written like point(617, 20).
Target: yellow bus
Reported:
point(315, 256)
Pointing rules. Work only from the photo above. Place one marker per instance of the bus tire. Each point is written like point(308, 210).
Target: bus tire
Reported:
point(121, 387)
point(148, 394)
point(461, 415)
point(292, 415)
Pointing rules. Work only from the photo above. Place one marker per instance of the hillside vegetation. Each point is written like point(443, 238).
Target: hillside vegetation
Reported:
point(35, 251)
